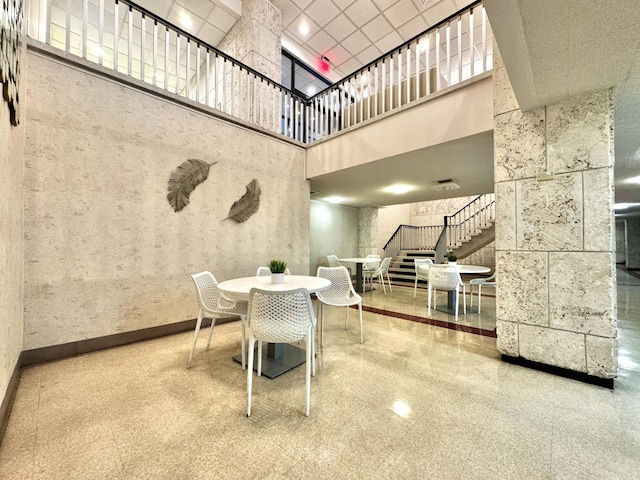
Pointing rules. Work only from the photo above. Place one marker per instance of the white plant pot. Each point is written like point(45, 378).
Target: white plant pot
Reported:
point(277, 278)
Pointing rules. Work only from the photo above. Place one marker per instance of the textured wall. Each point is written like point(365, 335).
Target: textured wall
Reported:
point(633, 243)
point(556, 298)
point(11, 241)
point(389, 218)
point(104, 252)
point(334, 231)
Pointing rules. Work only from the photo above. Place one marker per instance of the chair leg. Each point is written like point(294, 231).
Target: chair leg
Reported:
point(308, 373)
point(252, 342)
point(321, 314)
point(346, 321)
point(259, 358)
point(415, 287)
point(313, 352)
point(243, 321)
point(464, 299)
point(195, 337)
point(361, 331)
point(455, 303)
point(471, 295)
point(479, 298)
point(428, 299)
point(389, 282)
point(213, 324)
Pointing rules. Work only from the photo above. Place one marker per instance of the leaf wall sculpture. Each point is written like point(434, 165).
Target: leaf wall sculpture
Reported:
point(247, 205)
point(184, 180)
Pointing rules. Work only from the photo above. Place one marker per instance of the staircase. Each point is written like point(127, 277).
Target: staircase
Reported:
point(463, 233)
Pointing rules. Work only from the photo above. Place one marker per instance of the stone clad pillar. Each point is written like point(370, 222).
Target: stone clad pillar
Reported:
point(555, 234)
point(367, 231)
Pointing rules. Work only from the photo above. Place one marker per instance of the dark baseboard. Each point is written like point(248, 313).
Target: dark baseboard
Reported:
point(58, 352)
point(9, 396)
point(561, 372)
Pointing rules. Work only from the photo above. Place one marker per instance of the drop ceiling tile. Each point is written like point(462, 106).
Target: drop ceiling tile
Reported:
point(303, 4)
point(361, 12)
point(222, 19)
point(384, 4)
point(439, 12)
point(337, 55)
point(321, 42)
point(340, 27)
point(343, 4)
point(389, 42)
point(322, 12)
point(355, 43)
point(368, 55)
point(412, 28)
point(288, 10)
point(181, 17)
point(210, 34)
point(303, 19)
point(401, 13)
point(350, 66)
point(159, 7)
point(201, 8)
point(377, 28)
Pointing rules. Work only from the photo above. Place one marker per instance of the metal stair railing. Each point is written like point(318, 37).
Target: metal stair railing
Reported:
point(467, 222)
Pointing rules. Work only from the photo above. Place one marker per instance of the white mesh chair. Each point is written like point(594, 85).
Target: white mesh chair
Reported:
point(420, 273)
point(266, 271)
point(280, 317)
point(333, 261)
point(214, 304)
point(340, 294)
point(446, 277)
point(369, 268)
point(480, 282)
point(381, 272)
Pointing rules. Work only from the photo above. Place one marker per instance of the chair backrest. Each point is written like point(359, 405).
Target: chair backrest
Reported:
point(444, 276)
point(210, 297)
point(280, 317)
point(384, 266)
point(266, 271)
point(373, 255)
point(421, 262)
point(341, 285)
point(372, 263)
point(333, 260)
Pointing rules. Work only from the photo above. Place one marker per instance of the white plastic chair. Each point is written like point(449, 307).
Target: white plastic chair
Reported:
point(420, 273)
point(369, 268)
point(213, 303)
point(480, 282)
point(446, 277)
point(280, 317)
point(266, 271)
point(333, 261)
point(340, 294)
point(380, 273)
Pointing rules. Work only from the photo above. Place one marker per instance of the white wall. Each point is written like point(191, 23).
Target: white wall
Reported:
point(389, 218)
point(104, 252)
point(334, 231)
point(11, 241)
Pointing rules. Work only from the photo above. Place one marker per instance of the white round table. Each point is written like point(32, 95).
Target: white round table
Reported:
point(463, 269)
point(277, 358)
point(239, 288)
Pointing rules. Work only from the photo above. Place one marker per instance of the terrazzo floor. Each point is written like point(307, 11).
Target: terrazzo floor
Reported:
point(415, 401)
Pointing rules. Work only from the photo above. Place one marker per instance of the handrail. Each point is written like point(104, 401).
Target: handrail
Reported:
point(405, 74)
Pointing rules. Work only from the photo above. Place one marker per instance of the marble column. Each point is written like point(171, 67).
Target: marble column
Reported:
point(633, 243)
point(555, 252)
point(367, 231)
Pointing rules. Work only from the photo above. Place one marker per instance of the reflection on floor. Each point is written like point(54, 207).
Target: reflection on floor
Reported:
point(414, 401)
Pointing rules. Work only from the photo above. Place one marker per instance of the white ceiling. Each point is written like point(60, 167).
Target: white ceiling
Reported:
point(552, 49)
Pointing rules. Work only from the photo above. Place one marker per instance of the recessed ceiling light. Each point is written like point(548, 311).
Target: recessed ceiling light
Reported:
point(311, 89)
point(334, 199)
point(303, 28)
point(185, 20)
point(398, 188)
point(633, 180)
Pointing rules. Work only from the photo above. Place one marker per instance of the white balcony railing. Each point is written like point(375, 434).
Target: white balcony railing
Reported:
point(119, 35)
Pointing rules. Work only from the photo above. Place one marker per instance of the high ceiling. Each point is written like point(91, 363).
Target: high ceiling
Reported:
point(552, 49)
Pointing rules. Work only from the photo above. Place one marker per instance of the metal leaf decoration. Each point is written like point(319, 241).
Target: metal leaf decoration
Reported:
point(247, 205)
point(184, 180)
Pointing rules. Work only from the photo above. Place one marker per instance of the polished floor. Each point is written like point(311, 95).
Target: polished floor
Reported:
point(415, 401)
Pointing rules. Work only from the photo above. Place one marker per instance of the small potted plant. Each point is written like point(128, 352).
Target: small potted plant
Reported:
point(277, 268)
point(451, 258)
